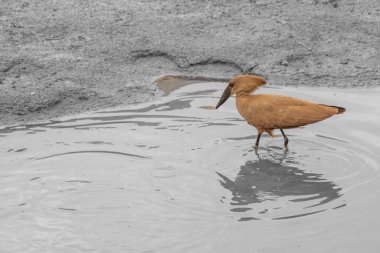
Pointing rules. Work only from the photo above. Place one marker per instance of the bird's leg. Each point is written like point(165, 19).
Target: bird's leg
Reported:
point(257, 140)
point(285, 138)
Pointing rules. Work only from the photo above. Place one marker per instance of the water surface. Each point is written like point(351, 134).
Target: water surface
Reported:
point(176, 176)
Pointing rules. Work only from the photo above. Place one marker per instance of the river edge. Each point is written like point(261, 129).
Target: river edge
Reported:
point(63, 58)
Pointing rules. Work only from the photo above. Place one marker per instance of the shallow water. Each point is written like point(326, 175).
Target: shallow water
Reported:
point(175, 176)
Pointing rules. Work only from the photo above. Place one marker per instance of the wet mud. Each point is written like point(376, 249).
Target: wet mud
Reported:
point(63, 57)
point(175, 175)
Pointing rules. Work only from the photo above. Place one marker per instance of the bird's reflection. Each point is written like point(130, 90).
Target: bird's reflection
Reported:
point(274, 175)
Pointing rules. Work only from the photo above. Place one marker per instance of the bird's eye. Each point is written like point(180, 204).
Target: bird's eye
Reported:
point(230, 84)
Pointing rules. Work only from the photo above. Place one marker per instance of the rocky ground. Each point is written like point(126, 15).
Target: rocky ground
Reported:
point(63, 57)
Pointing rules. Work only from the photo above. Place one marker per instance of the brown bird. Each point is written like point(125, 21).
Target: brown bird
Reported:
point(268, 112)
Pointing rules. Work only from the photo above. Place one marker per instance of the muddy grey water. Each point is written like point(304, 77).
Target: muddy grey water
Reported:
point(174, 176)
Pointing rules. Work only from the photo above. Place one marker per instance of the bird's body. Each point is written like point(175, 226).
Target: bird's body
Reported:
point(268, 112)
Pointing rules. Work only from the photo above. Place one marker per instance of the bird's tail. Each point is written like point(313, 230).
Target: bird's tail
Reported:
point(340, 109)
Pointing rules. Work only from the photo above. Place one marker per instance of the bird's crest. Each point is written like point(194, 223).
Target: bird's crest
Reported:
point(248, 79)
point(246, 83)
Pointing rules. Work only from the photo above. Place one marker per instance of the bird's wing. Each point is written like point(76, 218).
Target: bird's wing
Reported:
point(295, 116)
point(279, 100)
point(271, 111)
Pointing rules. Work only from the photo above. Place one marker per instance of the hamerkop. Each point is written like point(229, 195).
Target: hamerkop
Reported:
point(268, 112)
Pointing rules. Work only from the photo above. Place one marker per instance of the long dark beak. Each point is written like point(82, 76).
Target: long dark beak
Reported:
point(224, 97)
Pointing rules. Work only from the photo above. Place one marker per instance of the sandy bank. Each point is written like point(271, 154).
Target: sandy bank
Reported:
point(64, 57)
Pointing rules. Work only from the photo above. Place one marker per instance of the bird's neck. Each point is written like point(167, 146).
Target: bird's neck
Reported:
point(241, 102)
point(244, 94)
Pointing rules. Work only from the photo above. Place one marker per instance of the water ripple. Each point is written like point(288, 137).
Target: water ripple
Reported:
point(93, 151)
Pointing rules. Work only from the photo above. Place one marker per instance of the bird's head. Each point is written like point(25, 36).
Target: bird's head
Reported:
point(241, 84)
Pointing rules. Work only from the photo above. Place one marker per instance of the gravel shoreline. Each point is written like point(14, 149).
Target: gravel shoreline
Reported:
point(64, 57)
